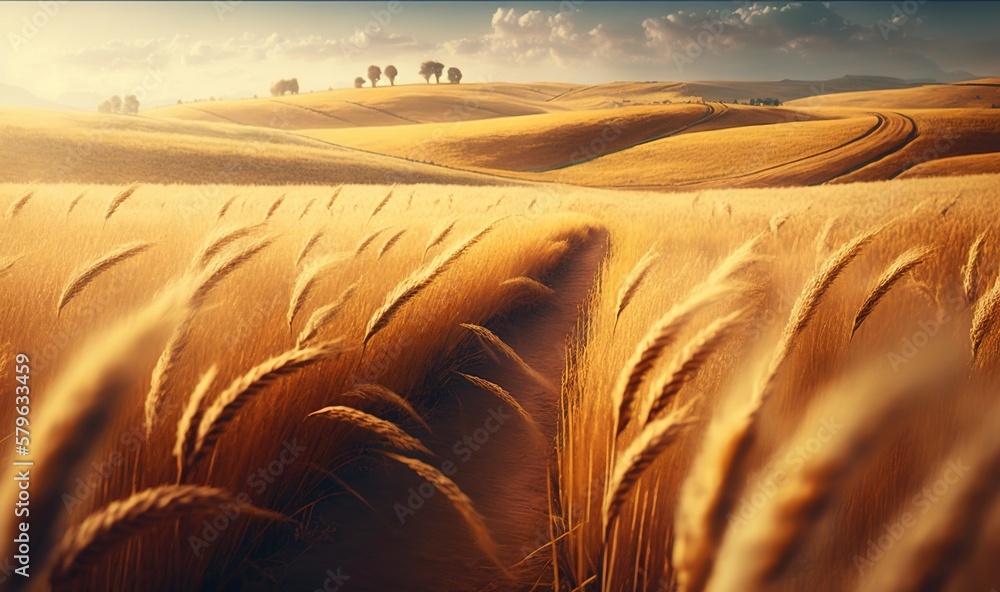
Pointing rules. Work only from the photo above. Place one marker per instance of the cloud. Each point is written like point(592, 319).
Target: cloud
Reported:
point(529, 36)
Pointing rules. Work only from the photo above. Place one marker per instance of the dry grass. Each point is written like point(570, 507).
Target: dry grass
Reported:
point(90, 272)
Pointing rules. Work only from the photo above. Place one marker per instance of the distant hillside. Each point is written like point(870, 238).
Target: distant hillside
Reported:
point(977, 94)
point(15, 96)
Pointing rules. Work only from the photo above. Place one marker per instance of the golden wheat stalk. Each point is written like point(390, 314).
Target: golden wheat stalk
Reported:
point(692, 358)
point(659, 337)
point(187, 425)
point(246, 387)
point(309, 244)
point(386, 430)
point(389, 243)
point(654, 439)
point(73, 203)
point(710, 494)
point(440, 235)
point(225, 208)
point(862, 412)
point(90, 272)
point(164, 370)
point(307, 281)
point(528, 285)
point(119, 199)
point(7, 263)
point(371, 391)
point(777, 221)
point(932, 555)
point(274, 207)
point(212, 276)
point(985, 318)
point(78, 406)
point(823, 238)
point(971, 270)
point(323, 315)
point(807, 304)
point(381, 204)
point(634, 281)
point(492, 342)
point(19, 203)
point(306, 209)
point(892, 274)
point(333, 198)
point(93, 539)
point(499, 392)
point(367, 241)
point(219, 240)
point(459, 501)
point(417, 282)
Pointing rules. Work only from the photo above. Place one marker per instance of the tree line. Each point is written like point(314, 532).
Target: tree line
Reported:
point(115, 104)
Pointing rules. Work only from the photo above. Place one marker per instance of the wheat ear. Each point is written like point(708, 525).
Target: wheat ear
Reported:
point(309, 244)
point(807, 304)
point(499, 392)
point(323, 315)
point(459, 501)
point(367, 241)
point(692, 358)
point(219, 240)
point(187, 425)
point(274, 207)
point(985, 318)
point(78, 406)
point(245, 388)
point(416, 283)
point(94, 538)
point(494, 344)
point(634, 281)
point(390, 242)
point(372, 391)
point(654, 439)
point(528, 285)
point(386, 430)
point(971, 270)
point(381, 204)
point(660, 335)
point(439, 237)
point(333, 198)
point(306, 209)
point(19, 203)
point(74, 202)
point(82, 278)
point(225, 208)
point(307, 281)
point(892, 274)
point(7, 263)
point(119, 199)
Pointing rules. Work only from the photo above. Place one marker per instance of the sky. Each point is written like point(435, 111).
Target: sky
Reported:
point(78, 53)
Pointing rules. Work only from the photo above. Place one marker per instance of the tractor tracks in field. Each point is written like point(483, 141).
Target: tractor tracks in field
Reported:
point(712, 111)
point(890, 133)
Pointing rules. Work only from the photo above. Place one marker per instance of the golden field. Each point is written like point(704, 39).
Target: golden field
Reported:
point(481, 354)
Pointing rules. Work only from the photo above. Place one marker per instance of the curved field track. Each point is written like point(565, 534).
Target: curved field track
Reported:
point(715, 158)
point(973, 164)
point(891, 132)
point(942, 134)
point(528, 143)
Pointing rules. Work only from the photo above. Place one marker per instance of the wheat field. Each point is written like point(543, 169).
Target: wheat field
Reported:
point(431, 387)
